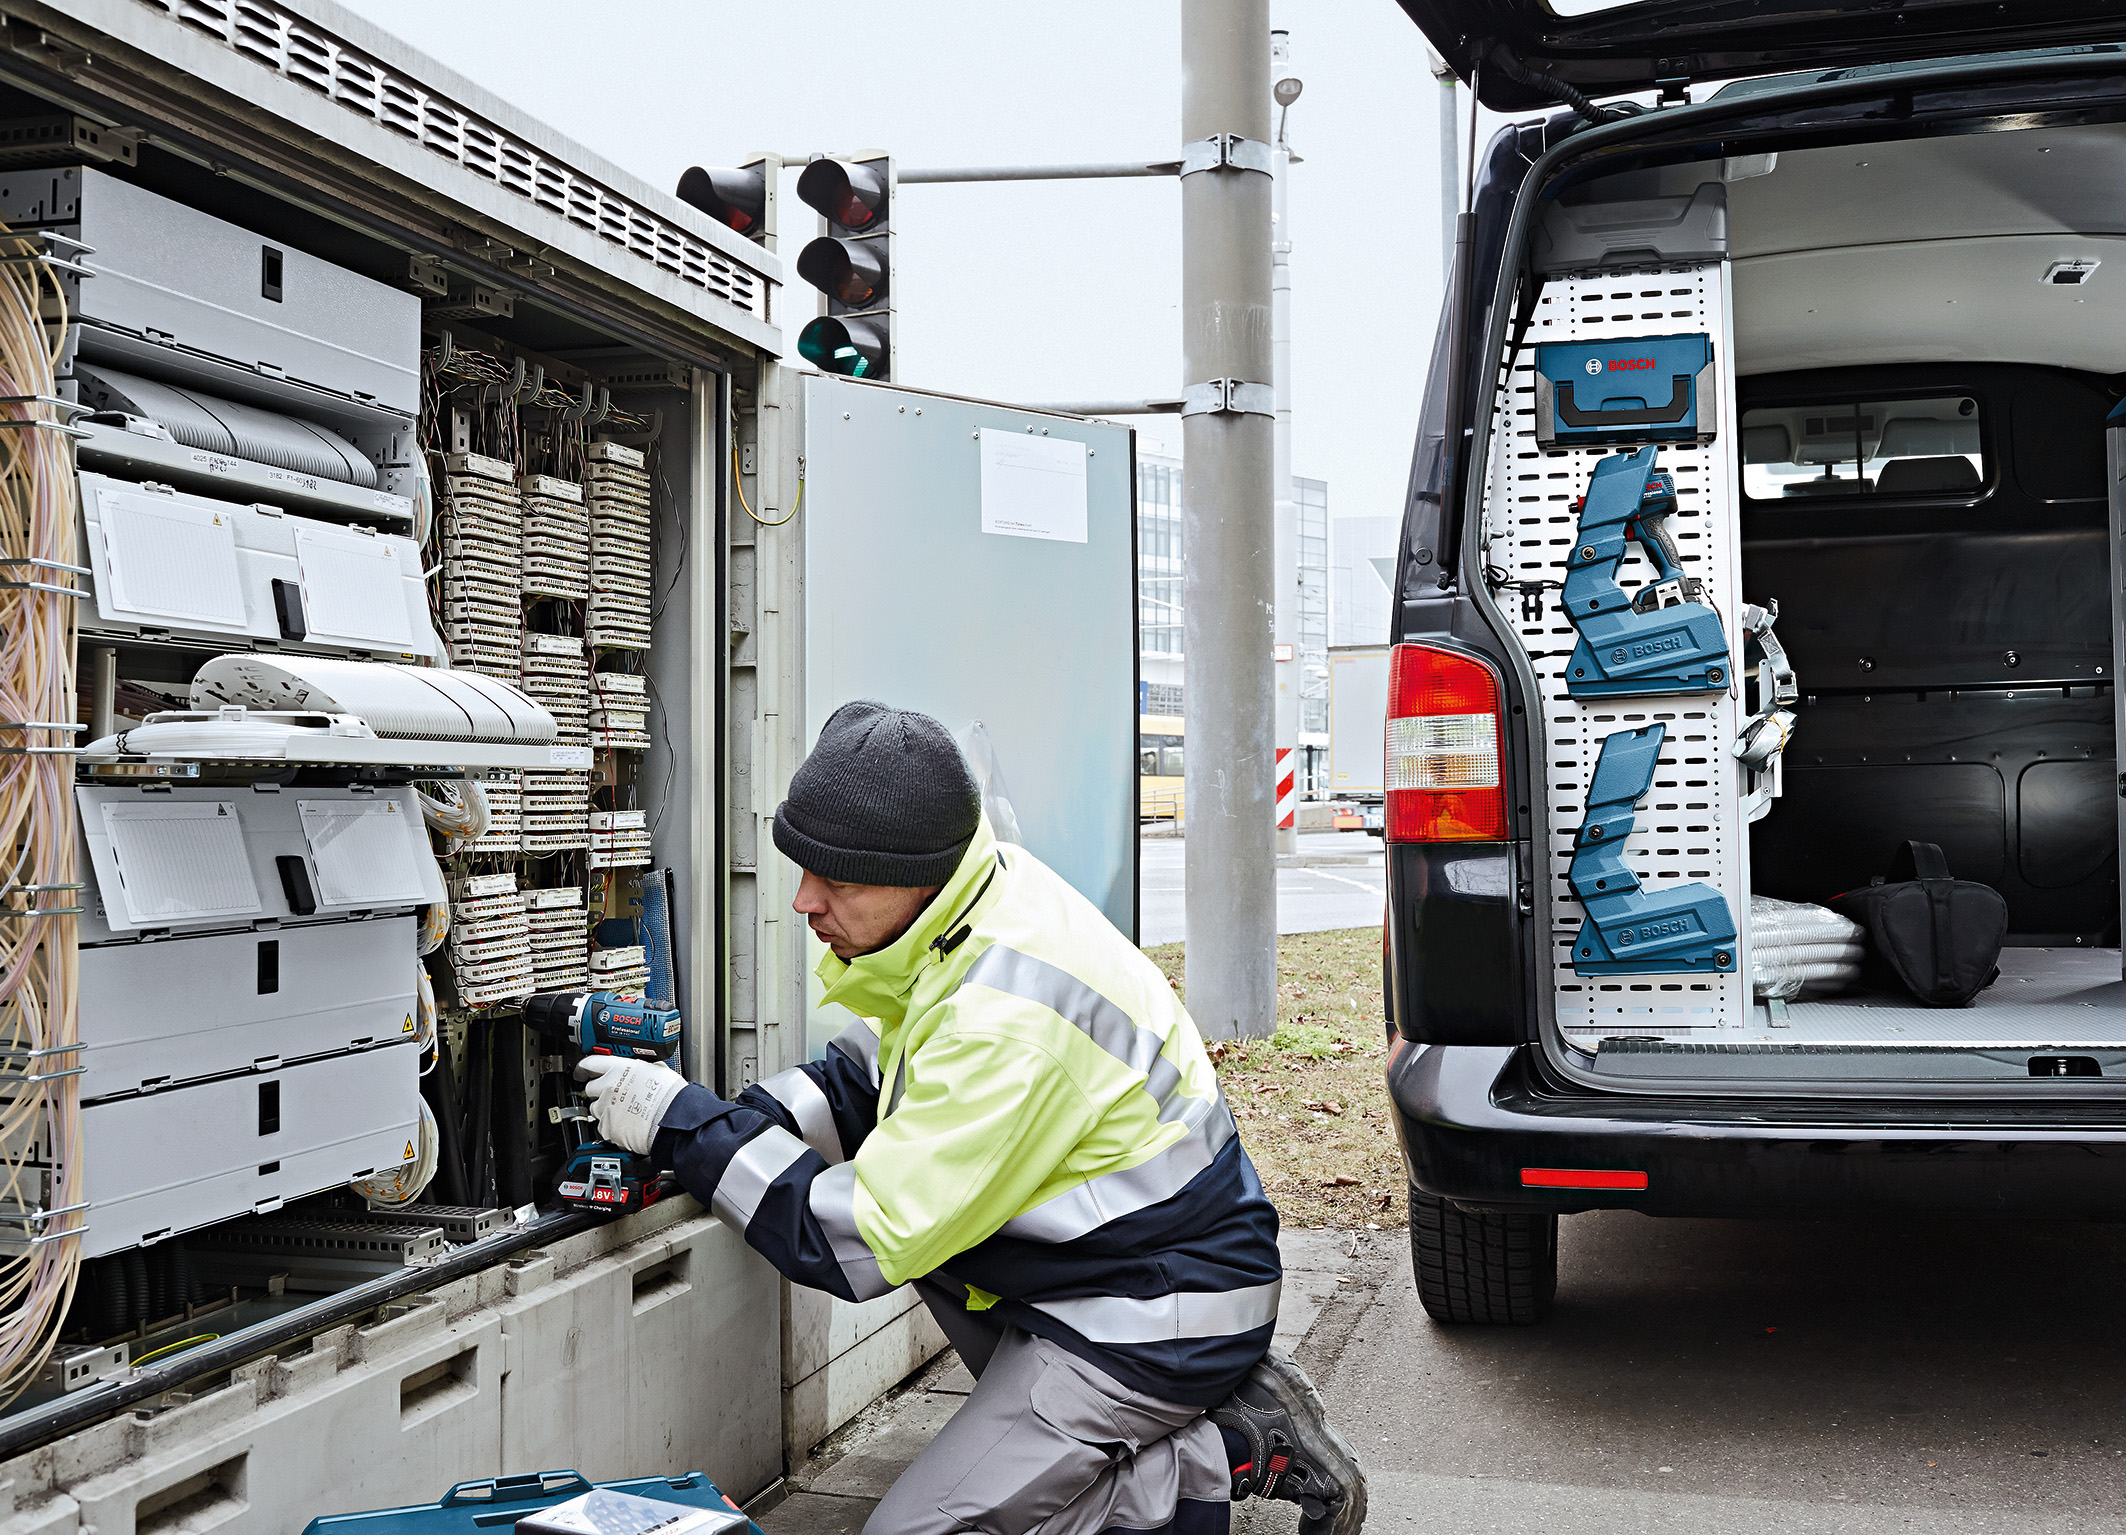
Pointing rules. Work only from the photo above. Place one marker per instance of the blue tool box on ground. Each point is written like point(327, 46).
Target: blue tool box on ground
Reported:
point(500, 1502)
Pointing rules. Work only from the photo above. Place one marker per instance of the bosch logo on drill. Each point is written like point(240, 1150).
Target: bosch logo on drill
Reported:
point(1628, 364)
point(1641, 650)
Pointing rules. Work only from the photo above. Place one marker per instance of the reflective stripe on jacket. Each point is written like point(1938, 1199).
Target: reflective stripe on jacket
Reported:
point(1034, 1119)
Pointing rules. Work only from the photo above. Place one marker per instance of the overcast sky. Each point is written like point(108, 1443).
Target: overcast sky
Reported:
point(1045, 291)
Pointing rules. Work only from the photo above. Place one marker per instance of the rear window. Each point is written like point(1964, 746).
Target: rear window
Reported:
point(1900, 448)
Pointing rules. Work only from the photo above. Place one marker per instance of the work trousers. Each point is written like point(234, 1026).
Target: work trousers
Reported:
point(1050, 1445)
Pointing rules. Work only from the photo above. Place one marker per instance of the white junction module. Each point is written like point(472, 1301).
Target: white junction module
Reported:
point(1692, 826)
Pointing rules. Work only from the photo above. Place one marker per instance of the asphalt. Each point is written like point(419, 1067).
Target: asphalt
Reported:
point(1337, 880)
point(1709, 1376)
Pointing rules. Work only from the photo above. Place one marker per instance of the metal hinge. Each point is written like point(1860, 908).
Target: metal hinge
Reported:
point(1225, 151)
point(1228, 396)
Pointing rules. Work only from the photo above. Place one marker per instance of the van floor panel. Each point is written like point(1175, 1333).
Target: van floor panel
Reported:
point(2044, 997)
point(2047, 1002)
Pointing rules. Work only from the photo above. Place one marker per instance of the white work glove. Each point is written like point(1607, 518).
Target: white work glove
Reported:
point(628, 1097)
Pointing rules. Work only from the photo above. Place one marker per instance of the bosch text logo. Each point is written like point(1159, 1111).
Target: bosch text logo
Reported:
point(1628, 364)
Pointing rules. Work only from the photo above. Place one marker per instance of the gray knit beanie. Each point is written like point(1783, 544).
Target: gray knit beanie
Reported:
point(885, 798)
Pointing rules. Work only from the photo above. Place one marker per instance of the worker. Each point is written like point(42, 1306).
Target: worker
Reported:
point(1022, 1121)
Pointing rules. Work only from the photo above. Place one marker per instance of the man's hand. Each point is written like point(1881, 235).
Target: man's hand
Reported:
point(629, 1098)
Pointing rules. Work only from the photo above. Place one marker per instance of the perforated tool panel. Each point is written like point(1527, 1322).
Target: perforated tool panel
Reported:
point(1691, 826)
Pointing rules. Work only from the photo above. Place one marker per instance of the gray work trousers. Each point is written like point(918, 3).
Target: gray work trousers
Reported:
point(1050, 1445)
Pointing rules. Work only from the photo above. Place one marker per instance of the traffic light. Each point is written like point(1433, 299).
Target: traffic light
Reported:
point(742, 197)
point(851, 264)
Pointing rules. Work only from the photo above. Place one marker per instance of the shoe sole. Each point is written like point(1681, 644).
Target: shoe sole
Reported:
point(1320, 1444)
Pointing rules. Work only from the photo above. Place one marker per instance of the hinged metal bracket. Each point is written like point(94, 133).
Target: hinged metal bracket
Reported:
point(1225, 151)
point(1229, 396)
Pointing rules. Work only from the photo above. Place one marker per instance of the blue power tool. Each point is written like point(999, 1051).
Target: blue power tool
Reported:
point(605, 1023)
point(1683, 930)
point(1662, 641)
point(602, 1176)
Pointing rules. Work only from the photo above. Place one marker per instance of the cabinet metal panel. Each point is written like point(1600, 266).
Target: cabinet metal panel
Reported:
point(159, 1015)
point(173, 1161)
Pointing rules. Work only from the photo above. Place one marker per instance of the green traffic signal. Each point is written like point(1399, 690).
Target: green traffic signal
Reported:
point(852, 347)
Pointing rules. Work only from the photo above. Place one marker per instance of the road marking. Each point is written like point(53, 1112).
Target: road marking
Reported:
point(1355, 884)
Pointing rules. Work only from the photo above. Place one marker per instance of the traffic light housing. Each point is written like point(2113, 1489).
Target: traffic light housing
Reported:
point(740, 197)
point(851, 264)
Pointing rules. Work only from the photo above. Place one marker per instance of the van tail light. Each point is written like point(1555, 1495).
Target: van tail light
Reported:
point(1446, 752)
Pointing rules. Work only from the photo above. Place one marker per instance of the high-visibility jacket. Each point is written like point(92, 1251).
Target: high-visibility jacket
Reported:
point(1026, 1113)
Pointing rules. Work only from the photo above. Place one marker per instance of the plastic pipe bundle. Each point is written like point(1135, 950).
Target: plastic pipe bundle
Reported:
point(1798, 951)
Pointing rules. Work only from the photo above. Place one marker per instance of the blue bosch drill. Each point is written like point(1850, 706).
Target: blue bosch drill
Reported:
point(605, 1023)
point(599, 1175)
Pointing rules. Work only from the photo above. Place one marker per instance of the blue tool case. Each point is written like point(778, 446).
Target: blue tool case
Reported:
point(1635, 389)
point(499, 1502)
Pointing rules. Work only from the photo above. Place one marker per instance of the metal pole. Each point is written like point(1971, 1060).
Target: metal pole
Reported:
point(1088, 172)
point(1231, 868)
point(1285, 508)
point(1450, 162)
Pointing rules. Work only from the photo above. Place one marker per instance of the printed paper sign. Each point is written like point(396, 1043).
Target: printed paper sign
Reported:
point(1032, 487)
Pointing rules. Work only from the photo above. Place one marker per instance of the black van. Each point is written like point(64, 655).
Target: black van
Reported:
point(1859, 331)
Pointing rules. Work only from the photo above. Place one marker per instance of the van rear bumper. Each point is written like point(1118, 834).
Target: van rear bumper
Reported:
point(1473, 1118)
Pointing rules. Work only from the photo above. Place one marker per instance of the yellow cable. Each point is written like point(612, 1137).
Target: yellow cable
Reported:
point(738, 486)
point(171, 1348)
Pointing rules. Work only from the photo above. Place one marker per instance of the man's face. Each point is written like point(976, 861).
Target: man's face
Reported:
point(858, 919)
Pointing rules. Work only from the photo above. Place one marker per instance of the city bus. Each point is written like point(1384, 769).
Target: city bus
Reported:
point(1159, 796)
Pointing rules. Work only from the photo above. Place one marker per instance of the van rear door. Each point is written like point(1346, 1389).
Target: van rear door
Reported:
point(1617, 47)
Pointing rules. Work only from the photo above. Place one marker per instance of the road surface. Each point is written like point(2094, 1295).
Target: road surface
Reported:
point(1741, 1376)
point(1314, 899)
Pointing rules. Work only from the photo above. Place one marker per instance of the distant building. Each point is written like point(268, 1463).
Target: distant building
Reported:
point(1313, 611)
point(1361, 569)
point(1159, 660)
point(1158, 584)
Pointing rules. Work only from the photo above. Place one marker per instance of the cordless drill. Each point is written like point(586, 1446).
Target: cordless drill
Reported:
point(605, 1023)
point(599, 1175)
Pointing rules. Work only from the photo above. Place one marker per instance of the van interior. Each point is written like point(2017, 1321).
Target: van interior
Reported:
point(1929, 335)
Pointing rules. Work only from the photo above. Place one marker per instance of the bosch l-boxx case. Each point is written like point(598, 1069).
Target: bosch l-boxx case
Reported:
point(1636, 389)
point(501, 1501)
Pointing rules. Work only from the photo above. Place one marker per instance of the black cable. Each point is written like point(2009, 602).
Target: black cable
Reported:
point(450, 1158)
point(480, 1089)
point(512, 1120)
point(1572, 96)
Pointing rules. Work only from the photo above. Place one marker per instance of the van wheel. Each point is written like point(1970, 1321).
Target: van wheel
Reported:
point(1482, 1268)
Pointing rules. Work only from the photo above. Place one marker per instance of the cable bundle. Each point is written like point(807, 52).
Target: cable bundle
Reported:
point(396, 1186)
point(40, 1117)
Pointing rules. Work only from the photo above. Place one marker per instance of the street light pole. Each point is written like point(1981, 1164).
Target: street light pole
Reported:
point(1285, 509)
point(1228, 696)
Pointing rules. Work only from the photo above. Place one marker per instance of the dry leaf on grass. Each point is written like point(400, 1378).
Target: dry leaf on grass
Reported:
point(1333, 1066)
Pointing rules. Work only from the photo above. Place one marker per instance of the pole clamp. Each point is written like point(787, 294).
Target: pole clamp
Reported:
point(1228, 396)
point(1225, 151)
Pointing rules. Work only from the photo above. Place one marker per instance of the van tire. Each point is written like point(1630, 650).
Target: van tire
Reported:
point(1491, 1269)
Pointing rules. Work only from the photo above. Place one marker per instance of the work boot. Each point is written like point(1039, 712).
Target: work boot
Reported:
point(1293, 1452)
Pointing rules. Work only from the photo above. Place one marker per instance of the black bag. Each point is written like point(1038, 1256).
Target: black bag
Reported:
point(1939, 937)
